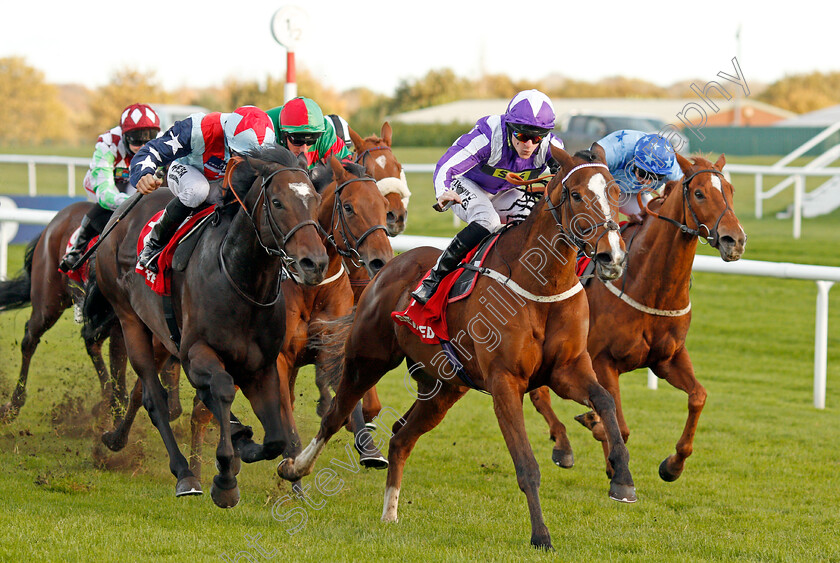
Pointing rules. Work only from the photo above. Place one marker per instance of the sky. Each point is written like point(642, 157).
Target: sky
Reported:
point(379, 43)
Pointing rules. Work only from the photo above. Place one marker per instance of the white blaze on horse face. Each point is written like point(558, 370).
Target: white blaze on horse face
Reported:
point(389, 509)
point(598, 186)
point(303, 191)
point(716, 183)
point(381, 161)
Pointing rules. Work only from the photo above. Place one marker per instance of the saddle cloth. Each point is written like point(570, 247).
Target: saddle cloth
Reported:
point(81, 274)
point(160, 281)
point(429, 322)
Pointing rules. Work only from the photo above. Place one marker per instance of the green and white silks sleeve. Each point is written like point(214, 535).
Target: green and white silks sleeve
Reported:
point(102, 177)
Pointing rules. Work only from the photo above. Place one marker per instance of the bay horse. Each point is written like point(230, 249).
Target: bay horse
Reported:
point(229, 310)
point(540, 339)
point(642, 319)
point(352, 217)
point(50, 292)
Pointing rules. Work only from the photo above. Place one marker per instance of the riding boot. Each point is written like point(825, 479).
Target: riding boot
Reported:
point(173, 215)
point(460, 246)
point(70, 261)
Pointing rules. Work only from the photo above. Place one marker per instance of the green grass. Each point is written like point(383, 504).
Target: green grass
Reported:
point(761, 486)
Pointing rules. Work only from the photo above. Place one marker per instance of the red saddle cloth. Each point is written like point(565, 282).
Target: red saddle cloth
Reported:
point(428, 321)
point(160, 281)
point(79, 274)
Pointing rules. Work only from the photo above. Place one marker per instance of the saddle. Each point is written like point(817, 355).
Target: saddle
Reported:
point(174, 255)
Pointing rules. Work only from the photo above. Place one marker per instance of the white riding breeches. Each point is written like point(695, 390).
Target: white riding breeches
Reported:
point(490, 210)
point(191, 187)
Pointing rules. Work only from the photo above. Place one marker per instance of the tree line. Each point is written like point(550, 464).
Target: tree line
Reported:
point(35, 112)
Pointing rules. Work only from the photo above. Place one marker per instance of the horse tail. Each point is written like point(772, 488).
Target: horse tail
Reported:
point(99, 315)
point(329, 337)
point(15, 293)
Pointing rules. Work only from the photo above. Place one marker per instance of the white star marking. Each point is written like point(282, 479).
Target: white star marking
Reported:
point(173, 142)
point(148, 163)
point(303, 191)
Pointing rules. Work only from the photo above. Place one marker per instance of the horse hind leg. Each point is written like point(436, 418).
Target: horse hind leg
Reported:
point(422, 417)
point(117, 438)
point(679, 372)
point(199, 420)
point(170, 375)
point(562, 455)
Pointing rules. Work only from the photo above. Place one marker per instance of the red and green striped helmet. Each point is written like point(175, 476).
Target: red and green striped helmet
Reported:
point(301, 115)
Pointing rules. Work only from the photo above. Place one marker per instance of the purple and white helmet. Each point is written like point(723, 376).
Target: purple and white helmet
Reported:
point(531, 111)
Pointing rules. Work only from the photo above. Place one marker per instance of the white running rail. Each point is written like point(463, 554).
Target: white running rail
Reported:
point(30, 160)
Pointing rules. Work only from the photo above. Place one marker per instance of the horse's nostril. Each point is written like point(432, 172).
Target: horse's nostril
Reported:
point(727, 240)
point(391, 216)
point(603, 257)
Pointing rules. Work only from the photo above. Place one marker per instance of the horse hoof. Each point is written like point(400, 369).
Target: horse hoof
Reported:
point(188, 486)
point(113, 440)
point(588, 419)
point(543, 543)
point(563, 458)
point(623, 493)
point(224, 498)
point(235, 466)
point(286, 469)
point(665, 472)
point(373, 462)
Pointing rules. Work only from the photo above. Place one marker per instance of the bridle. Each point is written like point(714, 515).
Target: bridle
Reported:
point(608, 225)
point(360, 158)
point(714, 236)
point(339, 222)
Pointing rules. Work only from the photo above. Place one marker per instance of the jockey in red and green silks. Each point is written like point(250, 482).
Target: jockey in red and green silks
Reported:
point(302, 128)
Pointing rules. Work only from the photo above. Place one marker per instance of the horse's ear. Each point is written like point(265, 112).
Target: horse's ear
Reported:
point(721, 162)
point(338, 170)
point(257, 165)
point(562, 157)
point(386, 133)
point(685, 164)
point(599, 152)
point(302, 161)
point(356, 138)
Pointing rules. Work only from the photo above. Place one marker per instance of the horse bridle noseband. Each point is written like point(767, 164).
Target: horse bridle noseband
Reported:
point(340, 223)
point(714, 235)
point(608, 225)
point(360, 158)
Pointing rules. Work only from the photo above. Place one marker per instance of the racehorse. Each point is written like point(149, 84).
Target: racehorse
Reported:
point(542, 342)
point(352, 217)
point(228, 307)
point(51, 292)
point(642, 320)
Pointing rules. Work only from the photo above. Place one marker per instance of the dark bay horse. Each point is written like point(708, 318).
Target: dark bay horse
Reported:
point(228, 307)
point(352, 217)
point(642, 319)
point(522, 328)
point(51, 292)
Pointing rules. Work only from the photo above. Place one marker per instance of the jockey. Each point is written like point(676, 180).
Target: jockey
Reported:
point(639, 161)
point(199, 148)
point(471, 173)
point(342, 129)
point(106, 182)
point(302, 128)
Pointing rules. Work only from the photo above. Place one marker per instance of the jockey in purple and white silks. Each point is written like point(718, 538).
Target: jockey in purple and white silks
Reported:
point(198, 149)
point(639, 161)
point(471, 174)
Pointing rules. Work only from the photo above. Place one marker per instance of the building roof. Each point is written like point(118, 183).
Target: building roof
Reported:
point(819, 118)
point(665, 109)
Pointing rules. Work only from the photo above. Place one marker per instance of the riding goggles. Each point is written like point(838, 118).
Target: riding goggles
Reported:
point(646, 175)
point(139, 137)
point(300, 139)
point(525, 137)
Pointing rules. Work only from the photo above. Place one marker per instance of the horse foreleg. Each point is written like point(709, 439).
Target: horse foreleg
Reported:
point(117, 438)
point(679, 372)
point(118, 359)
point(106, 389)
point(170, 376)
point(507, 403)
point(268, 393)
point(371, 405)
point(199, 419)
point(562, 454)
point(422, 417)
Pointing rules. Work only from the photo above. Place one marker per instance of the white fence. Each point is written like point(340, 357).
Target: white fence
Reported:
point(30, 160)
point(824, 276)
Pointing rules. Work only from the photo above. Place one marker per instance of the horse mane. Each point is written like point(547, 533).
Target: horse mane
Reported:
point(244, 174)
point(356, 169)
point(587, 155)
point(374, 140)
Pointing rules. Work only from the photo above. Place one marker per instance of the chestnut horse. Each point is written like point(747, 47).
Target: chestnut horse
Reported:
point(229, 308)
point(642, 320)
point(352, 217)
point(542, 342)
point(51, 292)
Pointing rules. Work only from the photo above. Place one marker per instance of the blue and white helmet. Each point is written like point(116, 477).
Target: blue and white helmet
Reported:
point(530, 111)
point(247, 128)
point(655, 154)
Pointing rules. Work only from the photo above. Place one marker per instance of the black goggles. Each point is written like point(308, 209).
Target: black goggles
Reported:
point(140, 137)
point(300, 139)
point(647, 175)
point(525, 137)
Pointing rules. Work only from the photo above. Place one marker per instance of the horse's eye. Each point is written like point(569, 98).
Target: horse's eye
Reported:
point(576, 196)
point(348, 208)
point(276, 203)
point(698, 194)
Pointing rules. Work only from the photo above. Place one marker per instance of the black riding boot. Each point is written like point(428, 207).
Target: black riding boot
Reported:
point(70, 261)
point(463, 242)
point(173, 215)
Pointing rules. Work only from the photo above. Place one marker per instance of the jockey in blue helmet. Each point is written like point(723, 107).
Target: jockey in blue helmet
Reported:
point(639, 161)
point(472, 175)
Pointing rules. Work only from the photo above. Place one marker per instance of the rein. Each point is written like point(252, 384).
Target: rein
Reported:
point(338, 221)
point(714, 236)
